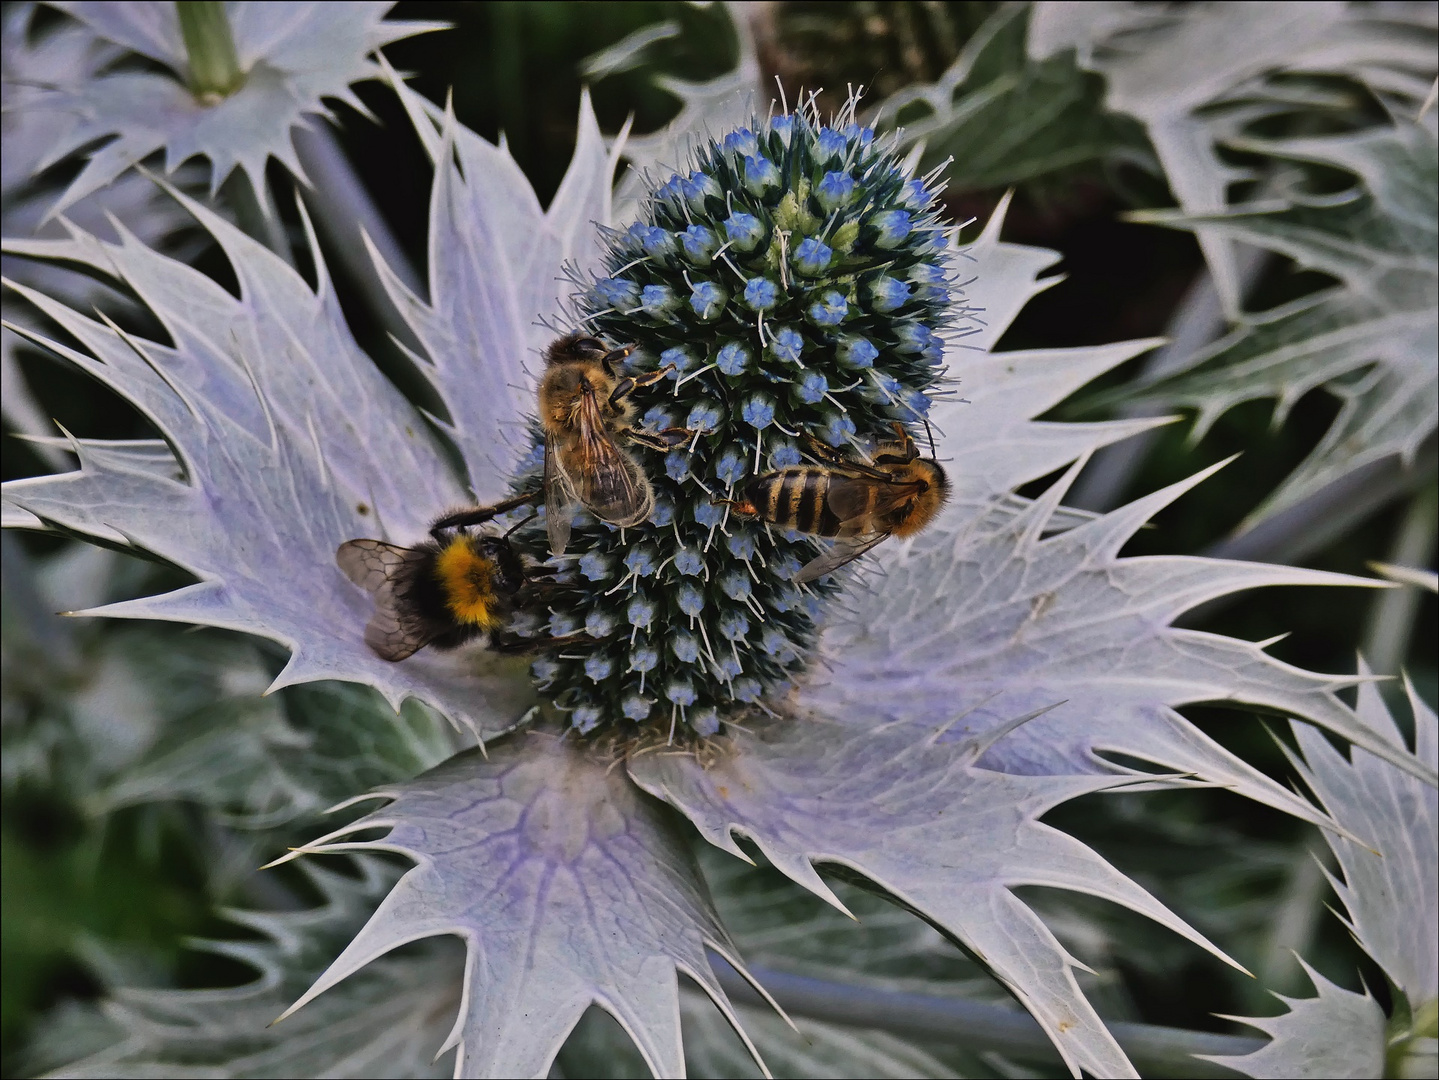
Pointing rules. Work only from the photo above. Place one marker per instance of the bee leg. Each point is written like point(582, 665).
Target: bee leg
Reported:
point(667, 439)
point(739, 506)
point(824, 453)
point(478, 515)
point(504, 642)
point(910, 450)
point(628, 385)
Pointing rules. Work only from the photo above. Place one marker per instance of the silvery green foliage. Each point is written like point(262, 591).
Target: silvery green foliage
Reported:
point(1390, 890)
point(286, 441)
point(1188, 72)
point(1005, 118)
point(1337, 1033)
point(1408, 575)
point(60, 61)
point(293, 55)
point(1371, 339)
point(707, 108)
point(385, 1022)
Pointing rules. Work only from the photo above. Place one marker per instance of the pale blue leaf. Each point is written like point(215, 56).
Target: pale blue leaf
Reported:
point(293, 56)
point(916, 817)
point(964, 625)
point(1337, 1034)
point(568, 888)
point(1391, 880)
point(495, 266)
point(287, 442)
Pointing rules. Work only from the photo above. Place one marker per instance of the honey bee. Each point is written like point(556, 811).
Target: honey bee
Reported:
point(860, 504)
point(452, 589)
point(584, 410)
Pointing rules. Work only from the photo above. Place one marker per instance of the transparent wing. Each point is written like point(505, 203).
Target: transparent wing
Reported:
point(380, 569)
point(370, 564)
point(612, 487)
point(844, 551)
point(849, 496)
point(560, 502)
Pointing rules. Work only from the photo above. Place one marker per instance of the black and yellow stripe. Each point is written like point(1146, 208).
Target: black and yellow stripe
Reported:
point(796, 498)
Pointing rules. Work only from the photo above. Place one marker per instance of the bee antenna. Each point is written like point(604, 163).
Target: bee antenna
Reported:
point(929, 434)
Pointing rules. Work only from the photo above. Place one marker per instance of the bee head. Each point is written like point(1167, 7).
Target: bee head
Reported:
point(509, 572)
point(581, 347)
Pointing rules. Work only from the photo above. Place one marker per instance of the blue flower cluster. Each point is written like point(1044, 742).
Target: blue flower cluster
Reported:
point(794, 279)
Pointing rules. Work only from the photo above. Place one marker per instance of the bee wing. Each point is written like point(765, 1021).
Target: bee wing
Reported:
point(379, 568)
point(844, 551)
point(371, 564)
point(612, 487)
point(849, 497)
point(560, 502)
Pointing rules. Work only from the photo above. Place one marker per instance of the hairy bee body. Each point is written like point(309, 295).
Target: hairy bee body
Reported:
point(451, 589)
point(855, 502)
point(585, 411)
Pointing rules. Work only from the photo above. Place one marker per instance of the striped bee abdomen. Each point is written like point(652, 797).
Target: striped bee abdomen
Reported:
point(795, 498)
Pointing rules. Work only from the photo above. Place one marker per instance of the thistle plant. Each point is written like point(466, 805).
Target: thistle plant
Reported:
point(898, 729)
point(794, 284)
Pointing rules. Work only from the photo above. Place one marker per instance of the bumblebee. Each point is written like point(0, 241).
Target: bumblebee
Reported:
point(450, 590)
point(860, 504)
point(585, 412)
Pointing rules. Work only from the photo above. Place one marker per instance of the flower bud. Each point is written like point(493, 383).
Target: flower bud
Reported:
point(811, 258)
point(886, 294)
point(601, 623)
point(761, 178)
point(690, 600)
point(699, 245)
point(690, 562)
point(745, 232)
point(733, 359)
point(617, 293)
point(733, 625)
point(636, 707)
point(856, 353)
point(732, 465)
point(641, 612)
point(835, 190)
point(658, 300)
point(707, 300)
point(706, 415)
point(811, 388)
point(760, 294)
point(681, 692)
point(758, 410)
point(829, 310)
point(786, 344)
point(685, 646)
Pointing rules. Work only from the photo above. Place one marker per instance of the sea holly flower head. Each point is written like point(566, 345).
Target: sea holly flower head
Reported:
point(824, 205)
